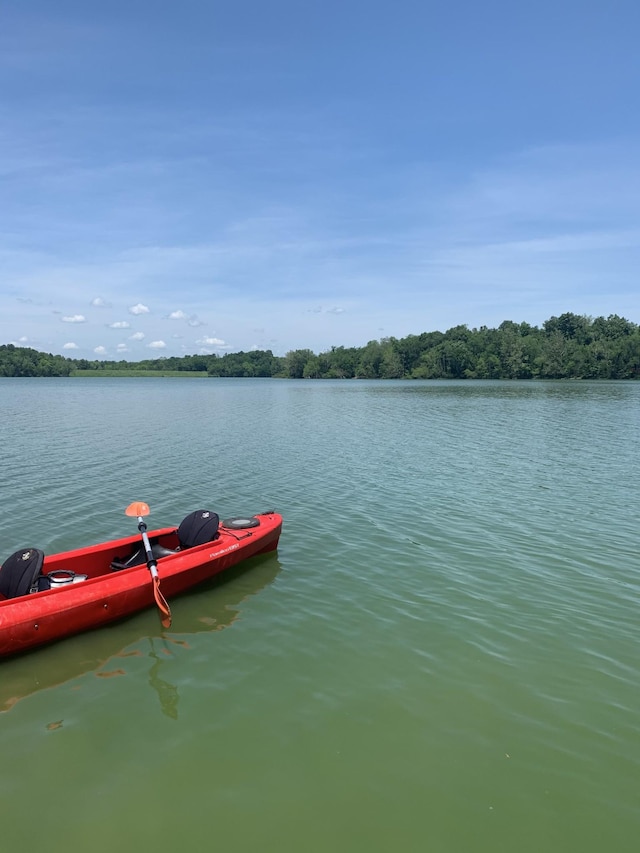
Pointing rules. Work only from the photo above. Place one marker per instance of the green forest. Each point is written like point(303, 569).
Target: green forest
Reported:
point(570, 346)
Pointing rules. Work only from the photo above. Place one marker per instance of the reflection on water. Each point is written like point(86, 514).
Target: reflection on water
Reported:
point(211, 607)
point(505, 389)
point(167, 693)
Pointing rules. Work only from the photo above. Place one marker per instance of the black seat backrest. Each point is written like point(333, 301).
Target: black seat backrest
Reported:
point(198, 527)
point(20, 571)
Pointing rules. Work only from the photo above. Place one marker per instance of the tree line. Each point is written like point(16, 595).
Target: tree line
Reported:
point(570, 346)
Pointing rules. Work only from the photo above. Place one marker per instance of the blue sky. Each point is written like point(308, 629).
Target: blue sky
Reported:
point(220, 176)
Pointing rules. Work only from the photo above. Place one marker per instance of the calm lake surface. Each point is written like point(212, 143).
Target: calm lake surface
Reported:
point(442, 655)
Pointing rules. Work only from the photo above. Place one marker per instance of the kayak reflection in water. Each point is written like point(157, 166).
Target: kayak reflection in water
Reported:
point(167, 693)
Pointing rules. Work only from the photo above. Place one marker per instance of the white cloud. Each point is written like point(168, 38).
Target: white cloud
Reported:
point(122, 348)
point(210, 342)
point(157, 345)
point(99, 302)
point(139, 309)
point(318, 309)
point(70, 345)
point(137, 336)
point(192, 319)
point(100, 350)
point(120, 324)
point(75, 318)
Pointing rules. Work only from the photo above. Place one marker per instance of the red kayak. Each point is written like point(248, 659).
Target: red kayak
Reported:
point(44, 598)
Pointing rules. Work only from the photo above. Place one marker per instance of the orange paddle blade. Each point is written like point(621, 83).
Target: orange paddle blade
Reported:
point(161, 601)
point(137, 508)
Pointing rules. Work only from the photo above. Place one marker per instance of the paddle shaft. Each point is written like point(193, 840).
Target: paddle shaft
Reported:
point(151, 561)
point(161, 602)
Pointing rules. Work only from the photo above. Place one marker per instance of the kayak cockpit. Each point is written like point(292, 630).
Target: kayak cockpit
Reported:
point(29, 570)
point(197, 528)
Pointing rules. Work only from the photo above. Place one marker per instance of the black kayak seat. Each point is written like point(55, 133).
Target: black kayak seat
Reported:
point(198, 527)
point(19, 572)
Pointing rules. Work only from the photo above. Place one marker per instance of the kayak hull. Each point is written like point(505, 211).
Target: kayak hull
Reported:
point(107, 595)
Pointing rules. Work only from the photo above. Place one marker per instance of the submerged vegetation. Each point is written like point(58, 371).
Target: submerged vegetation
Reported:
point(567, 347)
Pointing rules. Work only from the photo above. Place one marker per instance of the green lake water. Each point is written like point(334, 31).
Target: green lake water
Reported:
point(441, 656)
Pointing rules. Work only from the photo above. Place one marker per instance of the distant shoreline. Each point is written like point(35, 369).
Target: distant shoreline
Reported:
point(567, 347)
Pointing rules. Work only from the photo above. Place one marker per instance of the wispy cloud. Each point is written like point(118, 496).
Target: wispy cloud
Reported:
point(318, 309)
point(74, 318)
